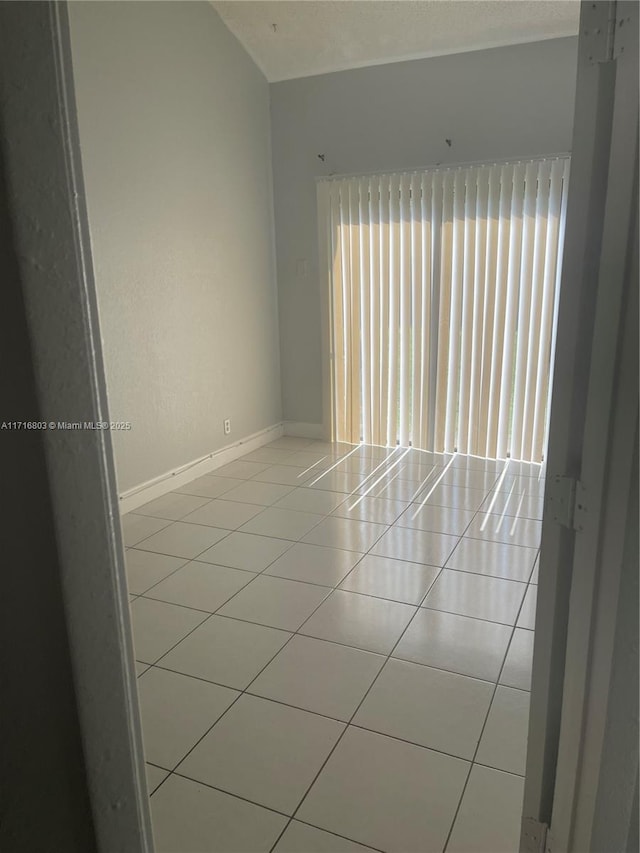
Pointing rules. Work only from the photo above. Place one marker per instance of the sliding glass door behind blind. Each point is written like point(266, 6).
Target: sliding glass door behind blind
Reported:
point(443, 292)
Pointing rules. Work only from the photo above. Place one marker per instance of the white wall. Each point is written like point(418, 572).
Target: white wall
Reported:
point(175, 138)
point(506, 102)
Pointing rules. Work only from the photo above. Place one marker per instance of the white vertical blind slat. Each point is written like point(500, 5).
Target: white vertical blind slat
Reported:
point(425, 349)
point(416, 305)
point(453, 360)
point(394, 308)
point(500, 306)
point(471, 192)
point(535, 320)
point(524, 309)
point(511, 312)
point(444, 319)
point(546, 318)
point(490, 275)
point(405, 311)
point(383, 403)
point(479, 286)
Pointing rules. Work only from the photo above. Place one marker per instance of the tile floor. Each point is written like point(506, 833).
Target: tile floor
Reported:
point(334, 651)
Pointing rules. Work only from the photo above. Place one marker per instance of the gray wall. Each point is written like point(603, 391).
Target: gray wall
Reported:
point(500, 103)
point(175, 138)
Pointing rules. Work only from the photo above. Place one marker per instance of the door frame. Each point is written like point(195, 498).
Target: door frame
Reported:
point(51, 234)
point(592, 439)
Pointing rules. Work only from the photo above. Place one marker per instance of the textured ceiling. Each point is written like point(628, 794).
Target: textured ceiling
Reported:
point(298, 38)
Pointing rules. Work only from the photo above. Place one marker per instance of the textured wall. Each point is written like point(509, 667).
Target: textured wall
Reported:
point(506, 102)
point(174, 130)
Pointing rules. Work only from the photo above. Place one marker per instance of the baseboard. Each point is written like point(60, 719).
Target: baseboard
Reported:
point(145, 492)
point(302, 430)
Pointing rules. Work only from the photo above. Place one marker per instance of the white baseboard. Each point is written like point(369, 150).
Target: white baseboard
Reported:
point(145, 492)
point(302, 430)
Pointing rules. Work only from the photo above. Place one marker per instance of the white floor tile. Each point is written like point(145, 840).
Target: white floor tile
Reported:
point(245, 551)
point(318, 676)
point(512, 562)
point(360, 465)
point(284, 475)
point(436, 709)
point(452, 496)
point(396, 580)
point(158, 626)
point(275, 602)
point(417, 546)
point(135, 528)
point(251, 492)
point(335, 481)
point(209, 486)
point(176, 712)
point(172, 506)
point(478, 463)
point(391, 488)
point(314, 564)
point(455, 643)
point(201, 586)
point(269, 455)
point(437, 519)
point(191, 818)
point(374, 451)
point(263, 751)
point(144, 568)
point(523, 485)
point(490, 813)
point(345, 533)
point(309, 457)
point(290, 442)
point(511, 504)
point(474, 595)
point(226, 651)
point(504, 528)
point(391, 795)
point(356, 620)
point(228, 515)
point(299, 837)
point(312, 500)
point(504, 740)
point(378, 510)
point(155, 775)
point(517, 666)
point(242, 469)
point(527, 617)
point(421, 475)
point(469, 479)
point(183, 540)
point(282, 523)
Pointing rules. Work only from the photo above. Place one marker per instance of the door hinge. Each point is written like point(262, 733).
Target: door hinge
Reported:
point(599, 21)
point(566, 501)
point(534, 836)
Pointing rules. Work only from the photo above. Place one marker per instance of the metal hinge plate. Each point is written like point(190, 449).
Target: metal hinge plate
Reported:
point(598, 22)
point(534, 836)
point(566, 501)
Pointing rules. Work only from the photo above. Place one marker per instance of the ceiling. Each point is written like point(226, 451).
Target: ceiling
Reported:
point(299, 38)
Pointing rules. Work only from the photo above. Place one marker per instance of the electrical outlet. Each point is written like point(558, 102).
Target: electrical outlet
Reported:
point(227, 426)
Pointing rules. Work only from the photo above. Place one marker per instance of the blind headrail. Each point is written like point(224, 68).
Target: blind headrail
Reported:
point(444, 167)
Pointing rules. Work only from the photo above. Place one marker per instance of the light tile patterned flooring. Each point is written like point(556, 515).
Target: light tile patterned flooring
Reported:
point(334, 651)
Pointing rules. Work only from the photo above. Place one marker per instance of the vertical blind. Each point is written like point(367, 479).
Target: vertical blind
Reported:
point(442, 290)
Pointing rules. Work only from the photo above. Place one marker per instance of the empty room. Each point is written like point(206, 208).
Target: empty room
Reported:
point(340, 271)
